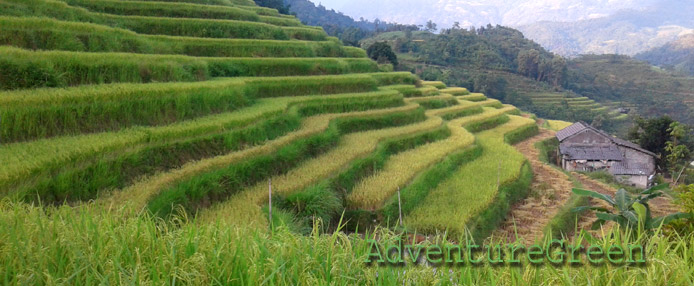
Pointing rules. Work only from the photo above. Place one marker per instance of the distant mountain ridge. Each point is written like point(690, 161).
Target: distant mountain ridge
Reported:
point(627, 32)
point(677, 55)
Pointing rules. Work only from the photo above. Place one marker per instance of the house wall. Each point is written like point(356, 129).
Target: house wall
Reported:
point(636, 181)
point(587, 166)
point(634, 157)
point(588, 137)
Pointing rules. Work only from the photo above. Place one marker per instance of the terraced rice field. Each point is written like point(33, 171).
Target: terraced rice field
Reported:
point(577, 103)
point(176, 116)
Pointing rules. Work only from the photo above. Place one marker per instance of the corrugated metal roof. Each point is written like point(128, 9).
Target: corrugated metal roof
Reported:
point(624, 168)
point(570, 131)
point(581, 126)
point(591, 152)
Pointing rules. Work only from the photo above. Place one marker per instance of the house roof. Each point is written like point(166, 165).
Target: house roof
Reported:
point(579, 127)
point(624, 168)
point(591, 152)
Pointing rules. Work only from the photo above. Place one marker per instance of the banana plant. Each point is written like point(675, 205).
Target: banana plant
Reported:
point(630, 212)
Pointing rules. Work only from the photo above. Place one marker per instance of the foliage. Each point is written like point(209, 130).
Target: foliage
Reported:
point(274, 4)
point(664, 136)
point(382, 53)
point(630, 213)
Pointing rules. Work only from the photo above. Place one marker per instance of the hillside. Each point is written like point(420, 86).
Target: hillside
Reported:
point(676, 56)
point(627, 32)
point(501, 63)
point(215, 142)
point(643, 89)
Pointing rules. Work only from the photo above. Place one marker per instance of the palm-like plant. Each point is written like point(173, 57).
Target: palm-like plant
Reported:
point(630, 212)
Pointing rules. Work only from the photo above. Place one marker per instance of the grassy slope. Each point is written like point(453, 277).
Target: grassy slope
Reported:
point(209, 147)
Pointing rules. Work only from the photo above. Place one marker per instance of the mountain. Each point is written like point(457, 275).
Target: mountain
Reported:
point(626, 32)
point(477, 13)
point(677, 55)
point(338, 24)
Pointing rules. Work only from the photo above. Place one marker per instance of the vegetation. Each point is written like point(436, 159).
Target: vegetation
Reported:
point(137, 135)
point(631, 213)
point(382, 53)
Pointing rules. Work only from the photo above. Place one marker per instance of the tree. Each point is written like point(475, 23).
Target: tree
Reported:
point(275, 4)
point(677, 153)
point(653, 135)
point(529, 63)
point(430, 26)
point(382, 53)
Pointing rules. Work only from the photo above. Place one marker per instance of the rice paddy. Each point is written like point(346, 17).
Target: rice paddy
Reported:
point(139, 139)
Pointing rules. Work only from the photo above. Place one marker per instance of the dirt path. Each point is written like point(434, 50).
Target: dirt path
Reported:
point(549, 191)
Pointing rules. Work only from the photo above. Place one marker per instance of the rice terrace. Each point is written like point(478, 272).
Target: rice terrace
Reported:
point(218, 142)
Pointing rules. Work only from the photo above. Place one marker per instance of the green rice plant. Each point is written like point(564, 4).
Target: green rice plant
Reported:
point(180, 10)
point(455, 91)
point(372, 192)
point(70, 68)
point(520, 134)
point(499, 164)
point(337, 187)
point(621, 117)
point(396, 78)
point(557, 125)
point(220, 184)
point(50, 34)
point(473, 97)
point(487, 123)
point(190, 27)
point(95, 245)
point(44, 156)
point(244, 206)
point(415, 192)
point(406, 90)
point(163, 9)
point(143, 191)
point(436, 84)
point(46, 112)
point(438, 103)
point(462, 113)
point(246, 4)
point(84, 182)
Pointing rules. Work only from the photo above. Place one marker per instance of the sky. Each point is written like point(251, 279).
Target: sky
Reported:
point(481, 12)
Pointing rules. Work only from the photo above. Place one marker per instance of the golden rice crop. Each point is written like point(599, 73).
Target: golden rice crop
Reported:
point(244, 207)
point(427, 98)
point(139, 193)
point(455, 91)
point(372, 192)
point(436, 84)
point(473, 97)
point(557, 125)
point(472, 188)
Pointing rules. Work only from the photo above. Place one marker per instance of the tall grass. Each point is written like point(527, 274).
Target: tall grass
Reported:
point(59, 69)
point(50, 34)
point(95, 246)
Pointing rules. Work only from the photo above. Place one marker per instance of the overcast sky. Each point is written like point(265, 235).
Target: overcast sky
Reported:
point(481, 12)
